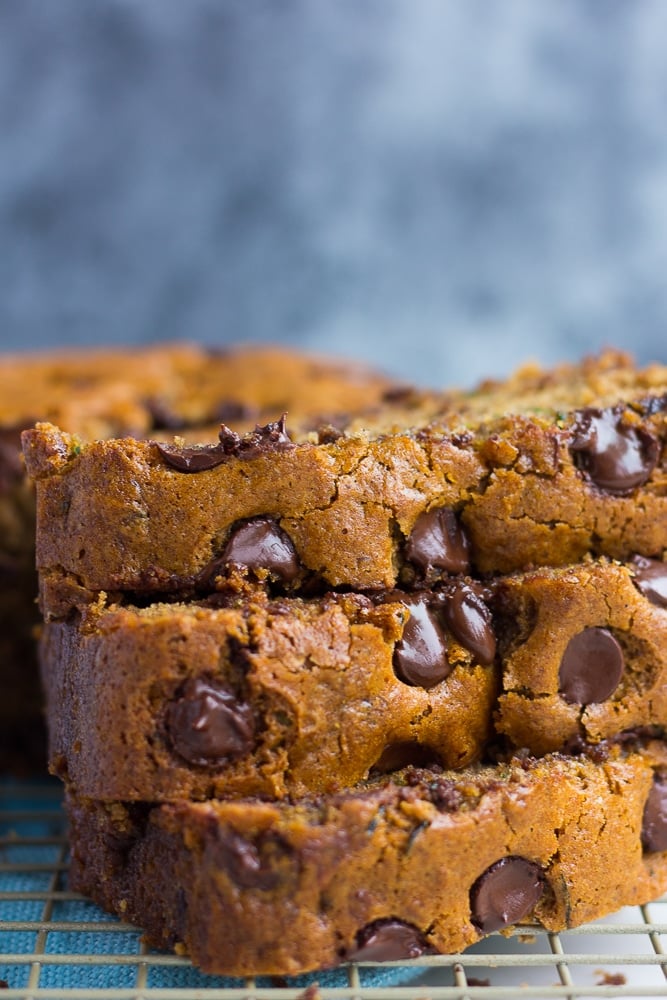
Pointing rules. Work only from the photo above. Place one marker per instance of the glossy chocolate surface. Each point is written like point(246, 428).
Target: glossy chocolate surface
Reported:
point(591, 668)
point(262, 544)
point(420, 658)
point(505, 893)
point(617, 456)
point(438, 541)
point(208, 725)
point(654, 825)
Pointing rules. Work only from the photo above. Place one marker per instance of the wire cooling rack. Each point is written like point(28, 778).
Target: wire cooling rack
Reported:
point(55, 945)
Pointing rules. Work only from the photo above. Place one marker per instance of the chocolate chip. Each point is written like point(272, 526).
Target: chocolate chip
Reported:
point(268, 438)
point(200, 457)
point(163, 417)
point(591, 667)
point(387, 941)
point(420, 658)
point(505, 893)
point(651, 579)
point(262, 544)
point(470, 621)
point(329, 434)
point(617, 456)
point(192, 458)
point(250, 864)
point(403, 395)
point(438, 541)
point(207, 725)
point(654, 825)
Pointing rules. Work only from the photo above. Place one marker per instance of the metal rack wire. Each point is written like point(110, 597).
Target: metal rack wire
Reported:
point(55, 945)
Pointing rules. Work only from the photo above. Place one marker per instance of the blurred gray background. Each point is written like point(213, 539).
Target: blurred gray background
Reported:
point(443, 187)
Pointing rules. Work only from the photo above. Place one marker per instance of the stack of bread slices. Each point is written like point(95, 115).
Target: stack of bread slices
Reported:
point(362, 682)
point(148, 392)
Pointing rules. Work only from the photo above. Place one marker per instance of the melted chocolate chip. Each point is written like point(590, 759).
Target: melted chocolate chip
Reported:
point(329, 434)
point(387, 941)
point(654, 825)
point(192, 458)
point(400, 394)
point(591, 668)
point(438, 541)
point(251, 864)
point(420, 658)
point(262, 544)
point(163, 417)
point(470, 621)
point(268, 438)
point(617, 456)
point(505, 893)
point(200, 457)
point(207, 725)
point(651, 579)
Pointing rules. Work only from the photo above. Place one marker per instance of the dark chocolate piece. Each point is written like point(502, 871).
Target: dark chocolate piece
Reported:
point(207, 725)
point(654, 825)
point(200, 457)
point(420, 658)
point(329, 434)
point(401, 394)
point(505, 893)
point(270, 437)
point(651, 579)
point(470, 621)
point(192, 458)
point(251, 865)
point(591, 668)
point(617, 456)
point(163, 417)
point(438, 541)
point(387, 941)
point(261, 544)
